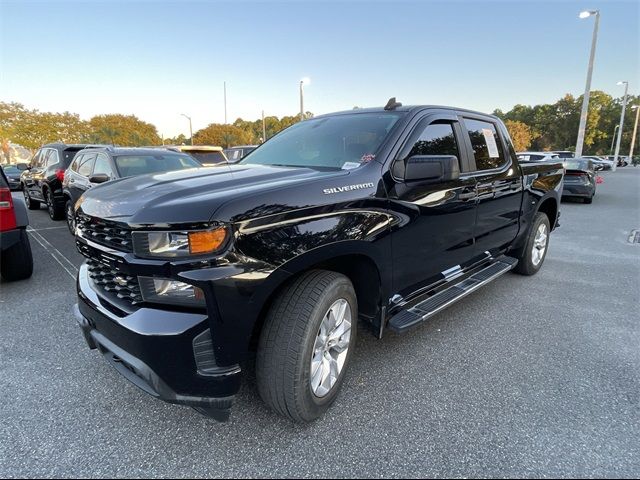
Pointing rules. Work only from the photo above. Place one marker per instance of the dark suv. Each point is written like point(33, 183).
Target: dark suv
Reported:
point(42, 181)
point(92, 166)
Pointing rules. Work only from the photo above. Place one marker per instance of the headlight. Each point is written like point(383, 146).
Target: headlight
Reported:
point(178, 244)
point(173, 292)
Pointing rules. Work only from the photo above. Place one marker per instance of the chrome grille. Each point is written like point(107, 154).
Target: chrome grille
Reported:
point(104, 232)
point(125, 287)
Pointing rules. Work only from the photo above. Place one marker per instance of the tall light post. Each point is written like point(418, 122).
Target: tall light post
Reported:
point(303, 82)
point(613, 140)
point(190, 128)
point(624, 108)
point(264, 129)
point(587, 91)
point(635, 131)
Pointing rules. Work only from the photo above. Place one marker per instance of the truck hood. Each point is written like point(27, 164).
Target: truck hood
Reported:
point(190, 196)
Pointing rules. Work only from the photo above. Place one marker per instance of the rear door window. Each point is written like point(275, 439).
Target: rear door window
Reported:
point(52, 158)
point(486, 144)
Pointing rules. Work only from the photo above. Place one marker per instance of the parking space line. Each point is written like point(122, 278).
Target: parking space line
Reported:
point(70, 268)
point(46, 228)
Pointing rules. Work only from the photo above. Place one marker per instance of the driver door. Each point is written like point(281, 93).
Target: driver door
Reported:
point(437, 220)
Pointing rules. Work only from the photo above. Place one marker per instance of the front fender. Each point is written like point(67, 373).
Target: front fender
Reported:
point(285, 248)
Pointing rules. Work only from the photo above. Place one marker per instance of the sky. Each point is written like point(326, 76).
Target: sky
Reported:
point(158, 59)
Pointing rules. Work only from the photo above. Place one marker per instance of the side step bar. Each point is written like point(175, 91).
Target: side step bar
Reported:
point(406, 319)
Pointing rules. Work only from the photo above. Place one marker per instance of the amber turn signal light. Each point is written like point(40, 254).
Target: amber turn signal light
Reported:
point(207, 241)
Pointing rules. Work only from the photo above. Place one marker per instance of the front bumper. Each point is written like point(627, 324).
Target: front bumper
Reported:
point(167, 354)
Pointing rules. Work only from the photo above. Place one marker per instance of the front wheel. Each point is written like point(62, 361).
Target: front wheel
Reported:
point(306, 345)
point(535, 250)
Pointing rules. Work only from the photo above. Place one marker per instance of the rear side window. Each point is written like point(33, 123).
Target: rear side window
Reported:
point(486, 144)
point(52, 158)
point(86, 165)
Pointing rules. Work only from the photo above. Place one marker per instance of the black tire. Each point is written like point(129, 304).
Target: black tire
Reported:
point(56, 212)
point(31, 204)
point(286, 346)
point(71, 218)
point(17, 261)
point(526, 264)
point(588, 200)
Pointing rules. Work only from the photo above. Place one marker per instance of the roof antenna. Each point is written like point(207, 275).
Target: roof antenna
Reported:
point(392, 104)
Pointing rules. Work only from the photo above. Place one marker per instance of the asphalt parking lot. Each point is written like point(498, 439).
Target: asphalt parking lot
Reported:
point(528, 377)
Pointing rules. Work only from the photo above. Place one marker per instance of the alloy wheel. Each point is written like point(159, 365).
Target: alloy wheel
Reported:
point(71, 219)
point(539, 245)
point(331, 348)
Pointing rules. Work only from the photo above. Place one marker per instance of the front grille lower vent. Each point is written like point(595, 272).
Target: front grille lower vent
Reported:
point(124, 287)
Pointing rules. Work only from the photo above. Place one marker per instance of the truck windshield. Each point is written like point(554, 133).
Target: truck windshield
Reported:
point(340, 141)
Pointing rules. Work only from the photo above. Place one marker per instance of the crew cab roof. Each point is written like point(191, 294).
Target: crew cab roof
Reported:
point(407, 109)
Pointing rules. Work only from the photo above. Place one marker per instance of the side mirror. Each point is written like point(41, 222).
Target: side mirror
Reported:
point(99, 178)
point(432, 168)
point(23, 166)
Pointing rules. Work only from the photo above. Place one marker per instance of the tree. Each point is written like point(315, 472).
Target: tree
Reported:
point(125, 130)
point(222, 135)
point(521, 134)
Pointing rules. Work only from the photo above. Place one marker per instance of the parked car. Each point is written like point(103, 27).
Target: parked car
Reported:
point(235, 154)
point(92, 166)
point(579, 179)
point(16, 261)
point(622, 160)
point(599, 163)
point(207, 155)
point(12, 172)
point(538, 157)
point(564, 153)
point(41, 182)
point(383, 215)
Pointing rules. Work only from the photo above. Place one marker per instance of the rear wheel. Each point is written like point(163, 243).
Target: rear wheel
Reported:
point(17, 261)
point(535, 250)
point(31, 204)
point(306, 345)
point(55, 211)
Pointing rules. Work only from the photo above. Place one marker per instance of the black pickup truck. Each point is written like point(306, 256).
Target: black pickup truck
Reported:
point(383, 215)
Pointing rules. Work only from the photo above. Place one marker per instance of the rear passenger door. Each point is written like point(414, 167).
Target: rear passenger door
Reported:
point(498, 183)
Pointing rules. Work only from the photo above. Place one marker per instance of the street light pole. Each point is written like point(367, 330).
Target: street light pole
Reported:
point(613, 140)
point(624, 108)
point(635, 131)
point(190, 128)
point(587, 91)
point(264, 129)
